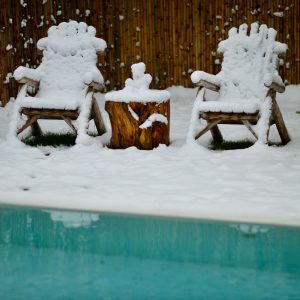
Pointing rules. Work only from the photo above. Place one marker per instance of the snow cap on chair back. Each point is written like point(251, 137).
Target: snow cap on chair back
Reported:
point(68, 38)
point(249, 61)
point(69, 60)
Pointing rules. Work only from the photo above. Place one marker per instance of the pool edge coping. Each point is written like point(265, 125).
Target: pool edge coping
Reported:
point(145, 210)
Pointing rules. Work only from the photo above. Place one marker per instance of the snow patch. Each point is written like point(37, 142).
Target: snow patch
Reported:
point(9, 47)
point(23, 23)
point(234, 106)
point(7, 78)
point(200, 75)
point(154, 118)
point(57, 102)
point(134, 115)
point(278, 14)
point(23, 3)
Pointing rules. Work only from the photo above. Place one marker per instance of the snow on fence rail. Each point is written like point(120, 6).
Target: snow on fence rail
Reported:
point(173, 38)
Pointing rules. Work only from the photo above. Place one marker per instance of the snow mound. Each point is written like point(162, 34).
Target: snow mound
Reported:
point(137, 88)
point(139, 80)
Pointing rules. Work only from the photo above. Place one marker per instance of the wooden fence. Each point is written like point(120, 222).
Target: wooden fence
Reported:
point(173, 38)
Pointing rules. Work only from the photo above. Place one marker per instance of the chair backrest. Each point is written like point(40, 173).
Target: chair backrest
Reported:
point(69, 59)
point(248, 60)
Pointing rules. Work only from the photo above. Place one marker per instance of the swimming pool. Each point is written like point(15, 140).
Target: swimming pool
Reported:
point(48, 254)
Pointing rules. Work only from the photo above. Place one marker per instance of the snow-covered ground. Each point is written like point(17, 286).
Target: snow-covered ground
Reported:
point(259, 184)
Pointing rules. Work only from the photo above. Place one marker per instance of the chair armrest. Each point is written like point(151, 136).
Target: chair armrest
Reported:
point(27, 76)
point(203, 79)
point(274, 82)
point(94, 80)
point(276, 87)
point(96, 87)
point(208, 85)
point(30, 82)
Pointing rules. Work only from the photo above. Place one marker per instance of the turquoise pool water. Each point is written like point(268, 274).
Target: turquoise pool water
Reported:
point(46, 254)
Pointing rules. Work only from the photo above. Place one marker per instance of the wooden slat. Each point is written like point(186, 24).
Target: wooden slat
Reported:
point(36, 129)
point(216, 134)
point(277, 87)
point(209, 126)
point(96, 115)
point(51, 113)
point(69, 122)
point(29, 82)
point(278, 120)
point(31, 120)
point(208, 85)
point(229, 118)
point(248, 125)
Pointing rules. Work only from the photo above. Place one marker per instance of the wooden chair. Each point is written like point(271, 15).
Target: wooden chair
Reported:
point(63, 85)
point(247, 86)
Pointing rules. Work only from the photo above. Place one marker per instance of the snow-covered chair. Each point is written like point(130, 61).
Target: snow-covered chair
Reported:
point(247, 86)
point(64, 82)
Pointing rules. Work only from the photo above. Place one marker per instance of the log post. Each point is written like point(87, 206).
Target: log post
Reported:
point(276, 116)
point(132, 124)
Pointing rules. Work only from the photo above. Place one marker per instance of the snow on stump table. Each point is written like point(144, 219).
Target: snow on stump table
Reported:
point(139, 116)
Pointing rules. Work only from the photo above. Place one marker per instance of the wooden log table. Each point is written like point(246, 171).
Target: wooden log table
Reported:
point(144, 125)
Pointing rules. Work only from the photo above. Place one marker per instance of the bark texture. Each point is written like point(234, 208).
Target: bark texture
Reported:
point(126, 119)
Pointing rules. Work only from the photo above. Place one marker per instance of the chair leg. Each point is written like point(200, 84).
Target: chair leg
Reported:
point(216, 134)
point(31, 120)
point(36, 129)
point(96, 115)
point(208, 127)
point(279, 122)
point(248, 125)
point(69, 122)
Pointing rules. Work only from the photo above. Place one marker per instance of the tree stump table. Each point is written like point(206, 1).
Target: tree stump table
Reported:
point(144, 125)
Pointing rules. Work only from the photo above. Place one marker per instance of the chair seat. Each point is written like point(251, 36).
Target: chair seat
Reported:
point(40, 103)
point(237, 106)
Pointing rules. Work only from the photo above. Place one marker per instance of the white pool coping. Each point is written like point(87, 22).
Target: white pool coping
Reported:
point(142, 209)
